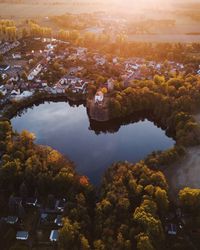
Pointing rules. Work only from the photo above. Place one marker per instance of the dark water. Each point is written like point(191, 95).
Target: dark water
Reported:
point(67, 129)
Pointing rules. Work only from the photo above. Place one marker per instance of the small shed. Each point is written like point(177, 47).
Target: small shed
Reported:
point(12, 220)
point(54, 236)
point(58, 221)
point(172, 229)
point(22, 235)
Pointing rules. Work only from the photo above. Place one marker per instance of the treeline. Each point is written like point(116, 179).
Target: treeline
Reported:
point(171, 102)
point(149, 26)
point(8, 30)
point(88, 39)
point(122, 47)
point(74, 21)
point(35, 30)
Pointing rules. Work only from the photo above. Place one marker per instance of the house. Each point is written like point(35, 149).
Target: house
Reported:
point(31, 201)
point(3, 90)
point(44, 84)
point(4, 67)
point(15, 92)
point(50, 90)
point(63, 81)
point(54, 235)
point(16, 56)
point(99, 97)
point(9, 86)
point(35, 72)
point(23, 86)
point(16, 66)
point(172, 229)
point(81, 50)
point(8, 46)
point(4, 76)
point(60, 204)
point(99, 60)
point(22, 235)
point(79, 86)
point(24, 94)
point(59, 88)
point(49, 46)
point(115, 60)
point(11, 220)
point(110, 84)
point(14, 78)
point(58, 221)
point(158, 66)
point(75, 70)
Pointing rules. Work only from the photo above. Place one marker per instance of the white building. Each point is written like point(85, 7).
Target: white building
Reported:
point(15, 92)
point(99, 97)
point(35, 72)
point(17, 96)
point(16, 56)
point(3, 90)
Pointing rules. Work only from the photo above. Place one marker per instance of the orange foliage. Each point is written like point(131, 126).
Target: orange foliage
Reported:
point(84, 181)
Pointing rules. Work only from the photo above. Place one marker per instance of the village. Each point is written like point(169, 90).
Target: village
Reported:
point(36, 223)
point(28, 215)
point(56, 67)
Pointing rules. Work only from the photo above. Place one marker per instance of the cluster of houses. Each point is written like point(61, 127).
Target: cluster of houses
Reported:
point(79, 53)
point(140, 69)
point(99, 60)
point(75, 84)
point(5, 47)
point(45, 225)
point(17, 88)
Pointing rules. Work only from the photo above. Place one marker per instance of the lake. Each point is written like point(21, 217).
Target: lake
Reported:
point(67, 129)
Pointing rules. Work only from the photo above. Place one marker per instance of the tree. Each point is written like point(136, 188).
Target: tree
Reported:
point(84, 243)
point(23, 190)
point(190, 199)
point(143, 242)
point(27, 138)
point(99, 245)
point(24, 33)
point(161, 199)
point(69, 236)
point(1, 61)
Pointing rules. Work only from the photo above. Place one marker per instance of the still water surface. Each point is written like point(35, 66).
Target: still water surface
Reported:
point(67, 129)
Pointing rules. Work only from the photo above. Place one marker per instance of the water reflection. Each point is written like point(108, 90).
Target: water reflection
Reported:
point(68, 129)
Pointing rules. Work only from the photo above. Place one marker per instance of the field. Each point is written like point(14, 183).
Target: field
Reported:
point(20, 11)
point(174, 38)
point(31, 9)
point(40, 10)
